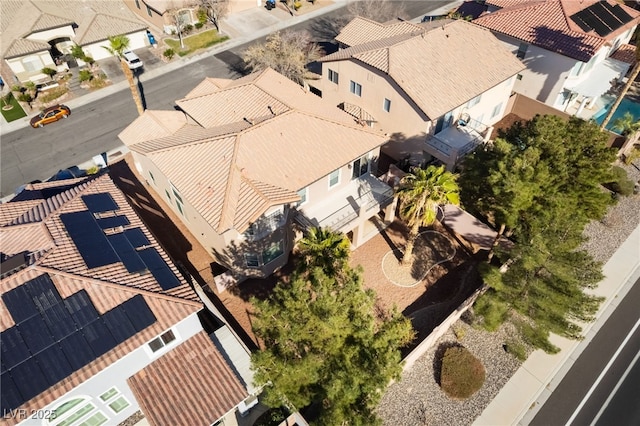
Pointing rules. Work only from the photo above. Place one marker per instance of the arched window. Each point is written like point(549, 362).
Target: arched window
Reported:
point(78, 411)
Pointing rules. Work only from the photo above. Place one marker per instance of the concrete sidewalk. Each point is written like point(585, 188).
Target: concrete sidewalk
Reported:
point(528, 389)
point(243, 27)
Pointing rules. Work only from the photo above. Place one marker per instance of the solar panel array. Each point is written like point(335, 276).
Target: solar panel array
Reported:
point(602, 18)
point(53, 337)
point(98, 249)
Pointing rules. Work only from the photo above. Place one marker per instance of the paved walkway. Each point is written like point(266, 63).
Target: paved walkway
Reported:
point(521, 398)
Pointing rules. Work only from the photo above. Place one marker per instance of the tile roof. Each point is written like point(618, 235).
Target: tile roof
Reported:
point(362, 30)
point(260, 138)
point(95, 20)
point(191, 385)
point(107, 287)
point(547, 24)
point(441, 68)
point(625, 53)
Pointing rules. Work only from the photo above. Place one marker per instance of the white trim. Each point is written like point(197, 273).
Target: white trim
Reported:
point(111, 397)
point(117, 397)
point(329, 179)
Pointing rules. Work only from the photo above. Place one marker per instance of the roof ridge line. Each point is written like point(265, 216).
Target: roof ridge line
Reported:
point(116, 286)
point(230, 175)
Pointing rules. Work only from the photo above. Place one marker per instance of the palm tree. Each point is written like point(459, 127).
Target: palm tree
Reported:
point(325, 248)
point(420, 193)
point(632, 77)
point(117, 46)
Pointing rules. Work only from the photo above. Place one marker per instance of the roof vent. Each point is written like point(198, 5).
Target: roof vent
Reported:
point(247, 120)
point(271, 109)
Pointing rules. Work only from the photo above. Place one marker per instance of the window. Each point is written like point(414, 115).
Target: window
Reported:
point(119, 404)
point(519, 77)
point(109, 394)
point(272, 252)
point(178, 197)
point(149, 11)
point(266, 224)
point(387, 105)
point(166, 192)
point(334, 178)
point(77, 412)
point(251, 260)
point(304, 194)
point(333, 76)
point(161, 341)
point(360, 167)
point(95, 420)
point(138, 4)
point(153, 179)
point(522, 50)
point(496, 110)
point(355, 88)
point(475, 101)
point(32, 63)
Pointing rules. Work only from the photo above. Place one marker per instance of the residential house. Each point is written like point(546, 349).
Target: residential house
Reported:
point(158, 12)
point(96, 321)
point(242, 160)
point(35, 34)
point(574, 51)
point(436, 88)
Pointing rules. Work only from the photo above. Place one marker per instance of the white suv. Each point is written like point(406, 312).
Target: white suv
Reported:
point(132, 59)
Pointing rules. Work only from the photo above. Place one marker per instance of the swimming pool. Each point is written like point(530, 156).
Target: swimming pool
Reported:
point(627, 105)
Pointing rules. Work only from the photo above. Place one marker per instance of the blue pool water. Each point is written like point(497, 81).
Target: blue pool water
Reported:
point(625, 106)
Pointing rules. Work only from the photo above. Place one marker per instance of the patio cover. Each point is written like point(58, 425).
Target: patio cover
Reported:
point(599, 81)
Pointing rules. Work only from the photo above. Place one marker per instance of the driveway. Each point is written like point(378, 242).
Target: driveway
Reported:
point(111, 66)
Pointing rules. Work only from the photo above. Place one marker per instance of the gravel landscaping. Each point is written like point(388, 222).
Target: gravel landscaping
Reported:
point(417, 399)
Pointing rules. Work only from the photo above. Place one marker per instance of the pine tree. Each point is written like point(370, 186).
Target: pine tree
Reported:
point(324, 348)
point(541, 180)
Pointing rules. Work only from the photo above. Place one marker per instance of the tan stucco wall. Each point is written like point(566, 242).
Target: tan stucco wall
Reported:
point(155, 19)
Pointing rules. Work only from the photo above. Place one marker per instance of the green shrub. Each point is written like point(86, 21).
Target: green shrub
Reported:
point(17, 88)
point(202, 17)
point(49, 71)
point(25, 97)
point(272, 417)
point(198, 25)
point(516, 348)
point(169, 54)
point(621, 184)
point(629, 158)
point(77, 52)
point(85, 75)
point(462, 373)
point(88, 59)
point(187, 29)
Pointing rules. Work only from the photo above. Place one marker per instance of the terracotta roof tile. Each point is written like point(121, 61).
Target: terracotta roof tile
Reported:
point(547, 24)
point(625, 53)
point(10, 211)
point(195, 377)
point(153, 125)
point(32, 237)
point(259, 162)
point(457, 61)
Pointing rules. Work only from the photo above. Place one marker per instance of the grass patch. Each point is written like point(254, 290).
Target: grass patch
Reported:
point(197, 41)
point(16, 112)
point(52, 94)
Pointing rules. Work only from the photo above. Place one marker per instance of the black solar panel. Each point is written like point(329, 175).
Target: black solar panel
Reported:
point(81, 308)
point(138, 312)
point(619, 13)
point(14, 349)
point(159, 268)
point(29, 379)
point(119, 324)
point(590, 19)
point(578, 20)
point(35, 333)
point(127, 253)
point(606, 16)
point(53, 364)
point(98, 203)
point(136, 237)
point(59, 321)
point(99, 338)
point(77, 350)
point(11, 397)
point(43, 292)
point(89, 239)
point(112, 222)
point(19, 303)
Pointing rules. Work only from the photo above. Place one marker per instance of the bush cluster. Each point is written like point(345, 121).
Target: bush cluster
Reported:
point(621, 184)
point(462, 373)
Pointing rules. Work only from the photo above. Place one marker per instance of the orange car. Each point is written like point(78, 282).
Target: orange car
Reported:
point(49, 115)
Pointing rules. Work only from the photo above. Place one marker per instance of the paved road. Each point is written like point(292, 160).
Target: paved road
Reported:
point(603, 385)
point(29, 154)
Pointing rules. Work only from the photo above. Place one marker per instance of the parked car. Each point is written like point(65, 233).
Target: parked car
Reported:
point(49, 115)
point(132, 60)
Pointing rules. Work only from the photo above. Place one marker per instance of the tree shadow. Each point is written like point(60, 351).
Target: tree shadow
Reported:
point(141, 92)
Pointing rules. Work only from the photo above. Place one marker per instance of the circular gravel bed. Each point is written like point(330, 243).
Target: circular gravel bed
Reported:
point(431, 248)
